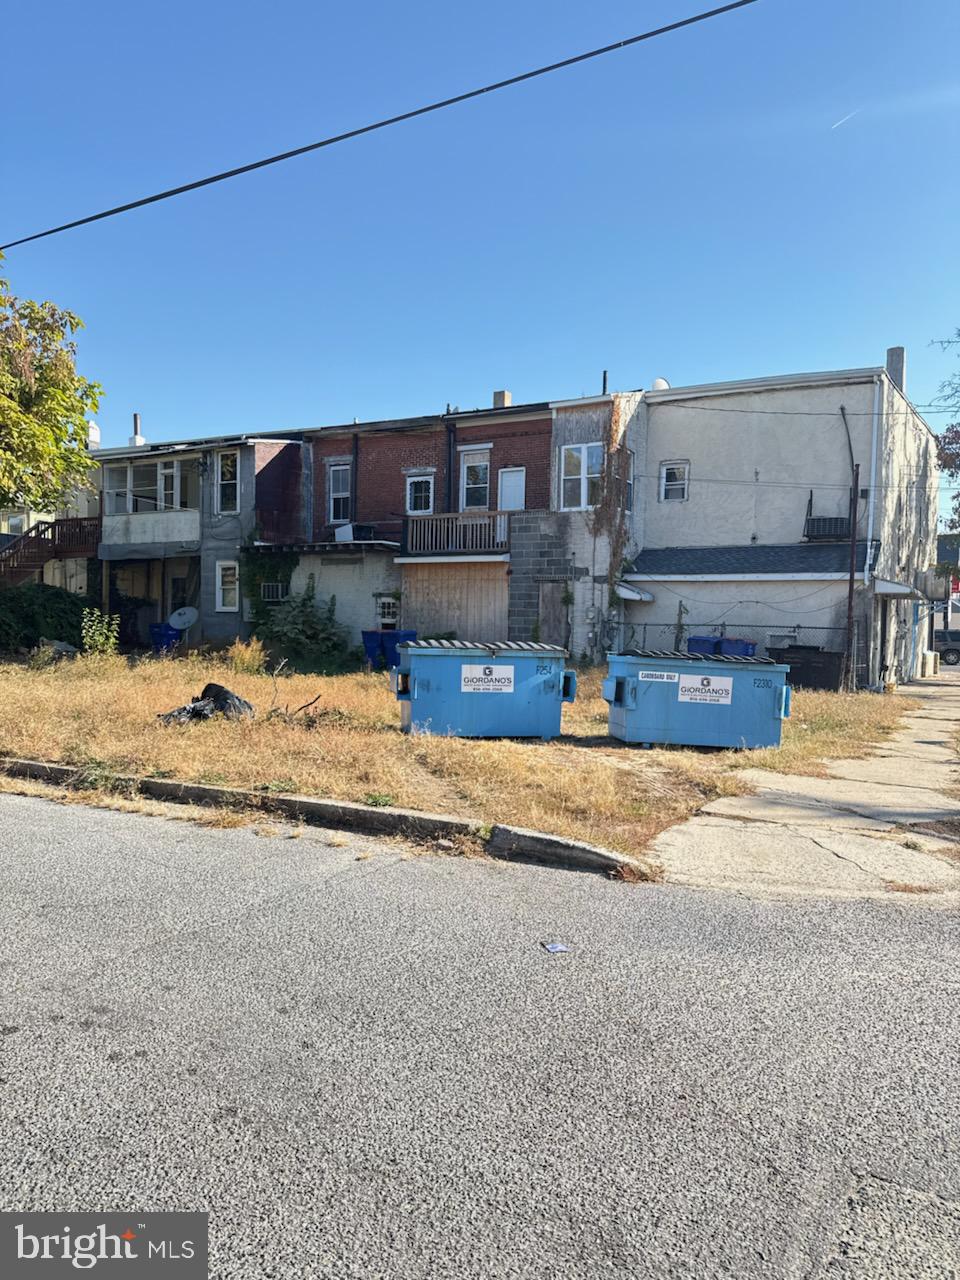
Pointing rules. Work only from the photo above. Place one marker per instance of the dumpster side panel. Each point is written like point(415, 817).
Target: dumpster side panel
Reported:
point(660, 700)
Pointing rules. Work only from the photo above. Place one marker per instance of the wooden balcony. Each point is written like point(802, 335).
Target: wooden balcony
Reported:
point(464, 533)
point(48, 540)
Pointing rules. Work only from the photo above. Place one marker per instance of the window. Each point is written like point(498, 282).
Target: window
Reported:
point(227, 486)
point(674, 481)
point(419, 495)
point(143, 487)
point(628, 482)
point(581, 476)
point(338, 479)
point(388, 613)
point(474, 481)
point(115, 491)
point(228, 586)
point(274, 592)
point(168, 486)
point(17, 525)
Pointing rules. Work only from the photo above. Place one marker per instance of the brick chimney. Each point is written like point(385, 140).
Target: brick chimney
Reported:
point(897, 367)
point(502, 399)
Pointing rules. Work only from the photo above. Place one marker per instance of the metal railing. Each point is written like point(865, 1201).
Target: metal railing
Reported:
point(462, 533)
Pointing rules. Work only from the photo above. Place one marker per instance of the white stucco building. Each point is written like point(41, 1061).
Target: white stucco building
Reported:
point(745, 516)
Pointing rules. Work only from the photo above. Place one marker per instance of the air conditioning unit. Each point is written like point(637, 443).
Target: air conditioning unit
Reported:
point(827, 528)
point(343, 533)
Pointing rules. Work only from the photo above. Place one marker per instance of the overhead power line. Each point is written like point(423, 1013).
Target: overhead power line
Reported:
point(384, 124)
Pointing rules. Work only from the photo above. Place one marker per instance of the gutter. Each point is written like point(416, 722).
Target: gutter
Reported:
point(873, 473)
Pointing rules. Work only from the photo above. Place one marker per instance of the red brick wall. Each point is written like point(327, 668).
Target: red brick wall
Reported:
point(277, 467)
point(385, 456)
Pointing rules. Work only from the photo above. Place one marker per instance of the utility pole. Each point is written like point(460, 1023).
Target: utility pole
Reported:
point(850, 664)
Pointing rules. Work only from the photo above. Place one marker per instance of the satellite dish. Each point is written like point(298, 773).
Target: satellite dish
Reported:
point(183, 619)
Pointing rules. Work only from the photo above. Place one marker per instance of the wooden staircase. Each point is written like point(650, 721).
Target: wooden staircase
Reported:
point(48, 540)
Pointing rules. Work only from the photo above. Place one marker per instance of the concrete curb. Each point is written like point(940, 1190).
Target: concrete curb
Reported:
point(501, 841)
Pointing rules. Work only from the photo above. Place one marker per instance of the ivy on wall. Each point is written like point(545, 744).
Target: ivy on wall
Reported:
point(258, 566)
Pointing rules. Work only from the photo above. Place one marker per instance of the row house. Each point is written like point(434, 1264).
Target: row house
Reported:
point(628, 517)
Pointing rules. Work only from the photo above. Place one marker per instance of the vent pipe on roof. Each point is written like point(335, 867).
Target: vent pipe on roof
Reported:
point(897, 367)
point(604, 382)
point(136, 441)
point(502, 399)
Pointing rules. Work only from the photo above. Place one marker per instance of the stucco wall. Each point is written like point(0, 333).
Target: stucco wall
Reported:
point(179, 527)
point(754, 459)
point(70, 574)
point(355, 580)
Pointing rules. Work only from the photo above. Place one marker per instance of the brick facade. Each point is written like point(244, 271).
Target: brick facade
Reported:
point(385, 456)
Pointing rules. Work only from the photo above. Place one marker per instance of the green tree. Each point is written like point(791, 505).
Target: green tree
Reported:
point(948, 442)
point(44, 404)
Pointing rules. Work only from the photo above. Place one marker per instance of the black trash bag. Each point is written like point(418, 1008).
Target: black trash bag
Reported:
point(214, 699)
point(230, 705)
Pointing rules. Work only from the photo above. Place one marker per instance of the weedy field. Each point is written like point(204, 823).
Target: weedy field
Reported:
point(101, 713)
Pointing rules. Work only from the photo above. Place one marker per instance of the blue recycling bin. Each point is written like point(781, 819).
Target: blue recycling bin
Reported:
point(696, 700)
point(382, 646)
point(504, 689)
point(703, 644)
point(163, 637)
point(736, 647)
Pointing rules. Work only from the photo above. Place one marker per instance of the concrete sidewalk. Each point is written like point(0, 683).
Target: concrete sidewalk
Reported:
point(864, 830)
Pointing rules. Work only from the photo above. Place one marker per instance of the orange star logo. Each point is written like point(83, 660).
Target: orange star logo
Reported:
point(128, 1235)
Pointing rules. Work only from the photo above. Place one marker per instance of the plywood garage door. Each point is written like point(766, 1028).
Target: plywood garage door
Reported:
point(470, 599)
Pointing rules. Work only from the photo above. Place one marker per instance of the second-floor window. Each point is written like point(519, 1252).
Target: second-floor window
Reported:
point(142, 487)
point(628, 481)
point(474, 481)
point(674, 481)
point(581, 476)
point(339, 486)
point(228, 489)
point(419, 495)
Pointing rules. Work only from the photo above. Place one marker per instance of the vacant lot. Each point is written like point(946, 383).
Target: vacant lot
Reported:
point(101, 713)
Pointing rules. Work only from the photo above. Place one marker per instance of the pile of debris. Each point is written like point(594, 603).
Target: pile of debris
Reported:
point(214, 700)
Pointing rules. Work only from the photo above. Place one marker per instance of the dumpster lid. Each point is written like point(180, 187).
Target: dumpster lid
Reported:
point(677, 655)
point(487, 646)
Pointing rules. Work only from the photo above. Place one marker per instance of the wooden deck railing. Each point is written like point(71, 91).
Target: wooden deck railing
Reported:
point(462, 533)
point(48, 540)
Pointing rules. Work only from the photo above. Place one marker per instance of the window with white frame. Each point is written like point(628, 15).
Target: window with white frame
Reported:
point(228, 586)
point(338, 485)
point(172, 484)
point(628, 481)
point(388, 613)
point(419, 495)
point(228, 488)
point(17, 526)
point(581, 476)
point(474, 481)
point(274, 592)
point(674, 481)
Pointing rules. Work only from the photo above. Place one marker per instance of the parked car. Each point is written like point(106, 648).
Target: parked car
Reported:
point(947, 644)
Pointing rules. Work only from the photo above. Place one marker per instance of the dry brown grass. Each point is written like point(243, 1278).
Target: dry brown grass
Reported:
point(100, 714)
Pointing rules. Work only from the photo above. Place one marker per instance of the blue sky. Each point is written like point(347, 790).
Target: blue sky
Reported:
point(683, 208)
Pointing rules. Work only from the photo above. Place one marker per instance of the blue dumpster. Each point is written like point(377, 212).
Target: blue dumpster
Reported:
point(736, 647)
point(694, 700)
point(504, 689)
point(163, 637)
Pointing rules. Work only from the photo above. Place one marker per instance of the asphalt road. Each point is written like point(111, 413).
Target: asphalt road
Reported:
point(371, 1068)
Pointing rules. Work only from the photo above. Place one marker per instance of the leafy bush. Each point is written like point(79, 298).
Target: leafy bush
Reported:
point(307, 634)
point(100, 632)
point(43, 656)
point(247, 658)
point(35, 611)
